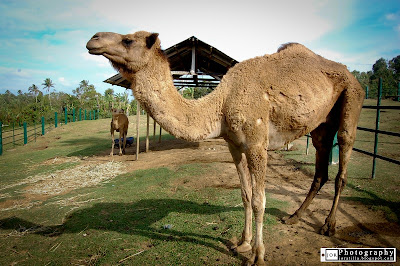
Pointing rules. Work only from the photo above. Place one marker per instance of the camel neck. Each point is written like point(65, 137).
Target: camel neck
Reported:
point(184, 118)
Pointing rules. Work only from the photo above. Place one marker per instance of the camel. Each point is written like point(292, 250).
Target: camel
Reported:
point(261, 103)
point(119, 123)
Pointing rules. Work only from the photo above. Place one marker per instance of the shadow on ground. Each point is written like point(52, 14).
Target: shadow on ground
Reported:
point(135, 219)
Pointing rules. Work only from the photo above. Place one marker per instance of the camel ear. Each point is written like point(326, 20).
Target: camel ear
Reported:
point(150, 40)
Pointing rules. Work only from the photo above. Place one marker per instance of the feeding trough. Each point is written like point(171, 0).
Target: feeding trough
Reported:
point(129, 142)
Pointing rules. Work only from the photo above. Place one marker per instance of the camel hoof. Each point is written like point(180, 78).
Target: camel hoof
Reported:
point(328, 229)
point(120, 154)
point(242, 248)
point(259, 262)
point(293, 219)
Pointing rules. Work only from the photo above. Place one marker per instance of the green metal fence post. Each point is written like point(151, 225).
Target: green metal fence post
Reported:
point(1, 138)
point(85, 115)
point(43, 126)
point(366, 92)
point(25, 134)
point(334, 154)
point(398, 92)
point(73, 115)
point(378, 114)
point(55, 119)
point(66, 115)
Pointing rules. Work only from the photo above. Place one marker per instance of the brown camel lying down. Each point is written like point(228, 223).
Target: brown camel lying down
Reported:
point(119, 123)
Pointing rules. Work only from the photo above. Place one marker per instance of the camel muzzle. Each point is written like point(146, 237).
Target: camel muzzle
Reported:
point(101, 40)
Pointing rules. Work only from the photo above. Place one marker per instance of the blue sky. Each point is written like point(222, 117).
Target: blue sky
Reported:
point(46, 39)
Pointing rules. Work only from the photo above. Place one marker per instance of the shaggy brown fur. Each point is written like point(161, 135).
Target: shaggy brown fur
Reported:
point(119, 123)
point(261, 103)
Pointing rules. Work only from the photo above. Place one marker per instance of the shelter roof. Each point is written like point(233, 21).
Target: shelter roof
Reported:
point(193, 63)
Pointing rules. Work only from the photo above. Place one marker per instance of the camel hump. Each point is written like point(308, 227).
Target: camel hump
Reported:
point(289, 45)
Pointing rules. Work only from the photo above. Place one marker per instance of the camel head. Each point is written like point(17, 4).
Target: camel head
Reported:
point(127, 53)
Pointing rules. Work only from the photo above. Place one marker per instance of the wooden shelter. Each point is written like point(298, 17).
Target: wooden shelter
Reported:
point(194, 64)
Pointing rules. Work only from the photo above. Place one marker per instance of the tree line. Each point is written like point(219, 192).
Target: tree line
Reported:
point(388, 70)
point(41, 101)
point(44, 101)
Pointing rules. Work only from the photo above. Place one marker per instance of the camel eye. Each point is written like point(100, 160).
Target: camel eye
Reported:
point(127, 42)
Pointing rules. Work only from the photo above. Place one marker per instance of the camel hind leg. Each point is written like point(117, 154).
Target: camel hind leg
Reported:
point(322, 138)
point(349, 114)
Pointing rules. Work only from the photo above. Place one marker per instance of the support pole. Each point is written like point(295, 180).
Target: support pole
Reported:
point(137, 129)
point(147, 132)
point(73, 115)
point(55, 119)
point(66, 115)
point(366, 92)
point(378, 114)
point(154, 130)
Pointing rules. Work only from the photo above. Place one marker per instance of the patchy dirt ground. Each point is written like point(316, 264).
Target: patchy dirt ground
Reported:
point(357, 225)
point(299, 244)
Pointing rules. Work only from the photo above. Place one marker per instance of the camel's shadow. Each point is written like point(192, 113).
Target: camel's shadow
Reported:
point(139, 218)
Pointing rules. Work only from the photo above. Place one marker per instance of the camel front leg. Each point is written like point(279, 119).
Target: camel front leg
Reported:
point(112, 143)
point(245, 184)
point(257, 161)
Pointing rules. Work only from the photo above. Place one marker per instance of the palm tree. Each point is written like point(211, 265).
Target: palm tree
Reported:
point(48, 83)
point(34, 90)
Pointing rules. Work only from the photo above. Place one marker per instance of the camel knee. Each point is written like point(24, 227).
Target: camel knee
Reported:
point(258, 205)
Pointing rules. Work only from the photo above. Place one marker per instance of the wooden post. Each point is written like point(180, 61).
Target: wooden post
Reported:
point(137, 129)
point(154, 130)
point(147, 132)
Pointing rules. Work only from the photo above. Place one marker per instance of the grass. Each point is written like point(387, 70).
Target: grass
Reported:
point(381, 193)
point(115, 222)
